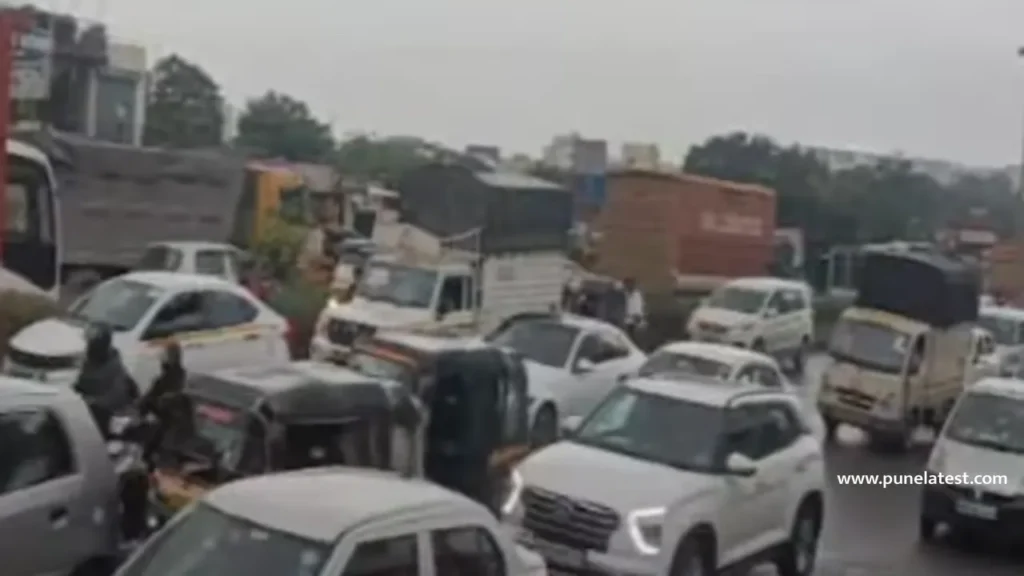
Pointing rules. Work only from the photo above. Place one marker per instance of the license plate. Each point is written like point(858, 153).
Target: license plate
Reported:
point(976, 510)
point(559, 555)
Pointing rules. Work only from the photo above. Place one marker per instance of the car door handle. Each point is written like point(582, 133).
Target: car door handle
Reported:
point(58, 517)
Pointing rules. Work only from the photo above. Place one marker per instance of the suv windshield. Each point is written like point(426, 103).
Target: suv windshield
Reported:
point(737, 299)
point(542, 341)
point(398, 285)
point(665, 363)
point(988, 421)
point(869, 345)
point(208, 542)
point(654, 428)
point(118, 304)
point(1003, 329)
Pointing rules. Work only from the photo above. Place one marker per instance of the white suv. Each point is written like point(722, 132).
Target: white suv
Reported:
point(768, 315)
point(718, 476)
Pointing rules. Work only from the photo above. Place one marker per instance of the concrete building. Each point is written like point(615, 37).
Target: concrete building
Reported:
point(115, 103)
point(573, 153)
point(640, 155)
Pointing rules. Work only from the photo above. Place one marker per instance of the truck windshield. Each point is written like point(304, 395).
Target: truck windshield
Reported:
point(208, 542)
point(870, 345)
point(737, 299)
point(399, 285)
point(118, 304)
point(988, 421)
point(1005, 330)
point(654, 428)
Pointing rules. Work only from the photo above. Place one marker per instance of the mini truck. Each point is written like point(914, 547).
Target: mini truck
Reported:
point(473, 247)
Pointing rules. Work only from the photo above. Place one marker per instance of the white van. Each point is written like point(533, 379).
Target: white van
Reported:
point(984, 435)
point(769, 315)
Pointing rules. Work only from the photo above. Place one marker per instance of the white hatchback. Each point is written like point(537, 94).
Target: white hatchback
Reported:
point(768, 315)
point(218, 324)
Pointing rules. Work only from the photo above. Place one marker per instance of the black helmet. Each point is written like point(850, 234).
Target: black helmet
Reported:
point(98, 342)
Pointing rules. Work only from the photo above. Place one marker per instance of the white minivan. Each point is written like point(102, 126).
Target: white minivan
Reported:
point(769, 315)
point(984, 439)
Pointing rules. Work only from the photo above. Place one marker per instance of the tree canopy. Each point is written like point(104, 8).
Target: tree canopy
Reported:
point(381, 160)
point(277, 125)
point(870, 203)
point(185, 107)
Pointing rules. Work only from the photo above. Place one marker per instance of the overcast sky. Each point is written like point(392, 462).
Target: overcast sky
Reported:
point(935, 78)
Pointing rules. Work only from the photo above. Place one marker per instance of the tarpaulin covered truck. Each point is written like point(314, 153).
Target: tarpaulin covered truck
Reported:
point(675, 231)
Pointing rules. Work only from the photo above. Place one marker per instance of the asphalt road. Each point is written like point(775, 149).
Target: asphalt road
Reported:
point(872, 531)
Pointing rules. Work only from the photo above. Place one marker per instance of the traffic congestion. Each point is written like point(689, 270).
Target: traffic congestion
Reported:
point(466, 405)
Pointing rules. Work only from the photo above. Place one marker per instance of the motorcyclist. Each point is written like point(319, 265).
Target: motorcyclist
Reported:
point(164, 400)
point(103, 381)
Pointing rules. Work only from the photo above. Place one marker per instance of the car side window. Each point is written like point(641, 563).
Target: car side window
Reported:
point(768, 376)
point(515, 425)
point(224, 309)
point(775, 302)
point(741, 434)
point(454, 294)
point(466, 551)
point(780, 426)
point(211, 262)
point(36, 450)
point(590, 349)
point(616, 345)
point(182, 313)
point(397, 556)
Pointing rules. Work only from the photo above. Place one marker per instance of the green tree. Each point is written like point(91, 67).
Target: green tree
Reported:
point(185, 107)
point(277, 125)
point(382, 160)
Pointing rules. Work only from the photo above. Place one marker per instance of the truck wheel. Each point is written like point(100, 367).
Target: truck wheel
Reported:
point(545, 427)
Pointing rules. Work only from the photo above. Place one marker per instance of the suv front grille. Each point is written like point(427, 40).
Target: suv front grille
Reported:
point(564, 520)
point(41, 362)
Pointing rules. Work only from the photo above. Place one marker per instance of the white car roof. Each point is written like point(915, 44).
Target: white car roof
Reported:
point(720, 353)
point(322, 503)
point(710, 391)
point(179, 280)
point(767, 283)
point(19, 387)
point(1010, 387)
point(195, 245)
point(1003, 311)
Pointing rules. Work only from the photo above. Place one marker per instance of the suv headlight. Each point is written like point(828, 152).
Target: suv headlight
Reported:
point(515, 490)
point(645, 526)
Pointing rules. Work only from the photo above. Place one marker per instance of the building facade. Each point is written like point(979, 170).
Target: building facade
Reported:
point(115, 106)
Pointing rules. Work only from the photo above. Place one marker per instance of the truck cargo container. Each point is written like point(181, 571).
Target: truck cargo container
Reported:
point(680, 231)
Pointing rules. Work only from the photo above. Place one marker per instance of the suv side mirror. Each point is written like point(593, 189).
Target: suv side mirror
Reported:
point(739, 465)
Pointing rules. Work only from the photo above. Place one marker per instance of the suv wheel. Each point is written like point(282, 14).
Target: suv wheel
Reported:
point(689, 561)
point(800, 554)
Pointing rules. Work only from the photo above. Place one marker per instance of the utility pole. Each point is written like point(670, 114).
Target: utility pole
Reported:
point(11, 22)
point(1020, 174)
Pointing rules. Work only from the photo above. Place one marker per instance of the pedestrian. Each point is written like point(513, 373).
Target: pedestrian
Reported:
point(163, 400)
point(636, 315)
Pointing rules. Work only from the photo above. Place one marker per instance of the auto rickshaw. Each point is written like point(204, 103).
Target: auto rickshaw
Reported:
point(252, 421)
point(476, 397)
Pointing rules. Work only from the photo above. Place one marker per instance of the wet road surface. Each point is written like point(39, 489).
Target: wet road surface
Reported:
point(872, 531)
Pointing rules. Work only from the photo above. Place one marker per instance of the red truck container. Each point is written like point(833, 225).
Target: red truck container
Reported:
point(675, 230)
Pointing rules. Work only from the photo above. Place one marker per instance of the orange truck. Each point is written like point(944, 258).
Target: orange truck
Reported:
point(676, 231)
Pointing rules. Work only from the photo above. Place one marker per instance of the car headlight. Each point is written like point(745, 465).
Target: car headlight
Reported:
point(515, 490)
point(645, 526)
